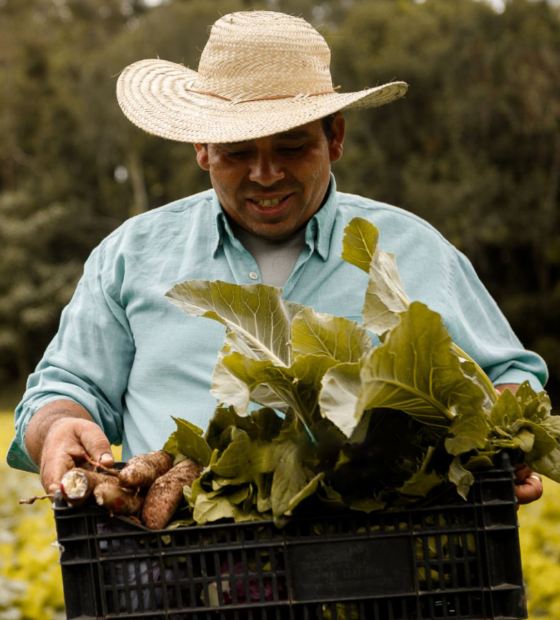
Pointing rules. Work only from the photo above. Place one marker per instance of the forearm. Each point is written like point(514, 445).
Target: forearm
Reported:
point(43, 421)
point(512, 387)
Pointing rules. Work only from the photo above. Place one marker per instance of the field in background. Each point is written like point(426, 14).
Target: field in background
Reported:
point(30, 582)
point(31, 587)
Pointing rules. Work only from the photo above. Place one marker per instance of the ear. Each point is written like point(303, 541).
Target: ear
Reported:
point(202, 155)
point(338, 131)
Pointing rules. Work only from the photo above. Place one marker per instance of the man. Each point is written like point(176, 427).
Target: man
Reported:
point(266, 124)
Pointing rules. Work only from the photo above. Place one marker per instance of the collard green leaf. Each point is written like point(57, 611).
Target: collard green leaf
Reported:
point(171, 447)
point(225, 419)
point(267, 423)
point(227, 388)
point(307, 373)
point(365, 504)
point(242, 379)
point(187, 441)
point(237, 495)
point(208, 509)
point(535, 405)
point(257, 319)
point(461, 477)
point(548, 465)
point(552, 425)
point(359, 243)
point(421, 483)
point(523, 422)
point(244, 459)
point(479, 462)
point(330, 498)
point(543, 442)
point(525, 440)
point(296, 387)
point(264, 487)
point(309, 489)
point(181, 523)
point(382, 437)
point(314, 333)
point(415, 371)
point(468, 431)
point(424, 480)
point(289, 479)
point(385, 296)
point(505, 411)
point(338, 399)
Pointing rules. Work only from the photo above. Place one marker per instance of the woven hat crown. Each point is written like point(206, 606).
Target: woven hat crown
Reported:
point(259, 54)
point(261, 72)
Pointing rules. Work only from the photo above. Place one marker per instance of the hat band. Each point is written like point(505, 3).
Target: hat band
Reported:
point(297, 97)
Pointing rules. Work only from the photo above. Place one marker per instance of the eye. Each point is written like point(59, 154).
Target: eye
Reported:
point(291, 149)
point(237, 154)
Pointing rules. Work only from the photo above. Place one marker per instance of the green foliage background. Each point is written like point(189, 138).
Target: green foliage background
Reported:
point(474, 149)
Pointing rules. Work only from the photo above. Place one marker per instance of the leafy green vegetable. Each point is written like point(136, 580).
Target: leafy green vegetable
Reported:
point(187, 441)
point(460, 477)
point(416, 371)
point(342, 340)
point(338, 398)
point(346, 425)
point(257, 319)
point(385, 295)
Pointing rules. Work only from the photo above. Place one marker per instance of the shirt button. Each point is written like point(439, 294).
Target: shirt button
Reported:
point(253, 275)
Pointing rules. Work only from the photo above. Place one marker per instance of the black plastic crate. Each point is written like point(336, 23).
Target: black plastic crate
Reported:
point(454, 560)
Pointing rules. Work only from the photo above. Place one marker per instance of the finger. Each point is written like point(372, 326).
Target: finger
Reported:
point(96, 444)
point(522, 472)
point(529, 490)
point(54, 465)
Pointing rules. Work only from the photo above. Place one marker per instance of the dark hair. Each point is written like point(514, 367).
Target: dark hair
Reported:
point(327, 122)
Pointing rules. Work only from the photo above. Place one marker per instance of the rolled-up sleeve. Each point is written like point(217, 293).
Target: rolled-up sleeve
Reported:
point(479, 327)
point(89, 359)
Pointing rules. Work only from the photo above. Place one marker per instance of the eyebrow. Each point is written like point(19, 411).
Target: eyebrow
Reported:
point(293, 135)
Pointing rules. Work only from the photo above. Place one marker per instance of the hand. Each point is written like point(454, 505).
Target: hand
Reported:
point(61, 435)
point(70, 442)
point(528, 485)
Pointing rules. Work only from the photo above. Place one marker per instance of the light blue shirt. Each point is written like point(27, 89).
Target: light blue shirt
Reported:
point(133, 360)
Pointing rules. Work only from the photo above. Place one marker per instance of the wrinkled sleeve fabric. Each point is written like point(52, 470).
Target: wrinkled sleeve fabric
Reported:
point(89, 360)
point(479, 327)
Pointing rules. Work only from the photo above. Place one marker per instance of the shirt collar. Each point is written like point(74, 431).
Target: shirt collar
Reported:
point(317, 235)
point(319, 229)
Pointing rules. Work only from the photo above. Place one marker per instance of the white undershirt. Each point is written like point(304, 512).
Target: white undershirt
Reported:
point(276, 259)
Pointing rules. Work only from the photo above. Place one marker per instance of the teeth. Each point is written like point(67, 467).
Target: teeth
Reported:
point(268, 203)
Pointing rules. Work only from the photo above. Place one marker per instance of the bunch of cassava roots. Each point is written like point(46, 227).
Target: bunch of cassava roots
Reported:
point(149, 487)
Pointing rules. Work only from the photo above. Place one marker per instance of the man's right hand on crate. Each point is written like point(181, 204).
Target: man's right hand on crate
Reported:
point(62, 435)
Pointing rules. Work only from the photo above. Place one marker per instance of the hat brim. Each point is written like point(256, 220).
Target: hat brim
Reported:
point(155, 96)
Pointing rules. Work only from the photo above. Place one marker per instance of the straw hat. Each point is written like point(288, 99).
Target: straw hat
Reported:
point(260, 73)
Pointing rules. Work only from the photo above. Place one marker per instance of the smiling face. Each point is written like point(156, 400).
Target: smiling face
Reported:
point(273, 186)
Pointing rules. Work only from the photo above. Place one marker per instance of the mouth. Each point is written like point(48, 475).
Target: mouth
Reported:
point(268, 203)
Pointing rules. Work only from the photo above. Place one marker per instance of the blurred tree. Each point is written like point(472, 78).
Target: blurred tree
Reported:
point(474, 148)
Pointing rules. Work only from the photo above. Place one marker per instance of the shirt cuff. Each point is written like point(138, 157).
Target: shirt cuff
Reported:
point(518, 377)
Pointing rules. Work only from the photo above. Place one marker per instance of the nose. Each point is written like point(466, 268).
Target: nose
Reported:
point(266, 169)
